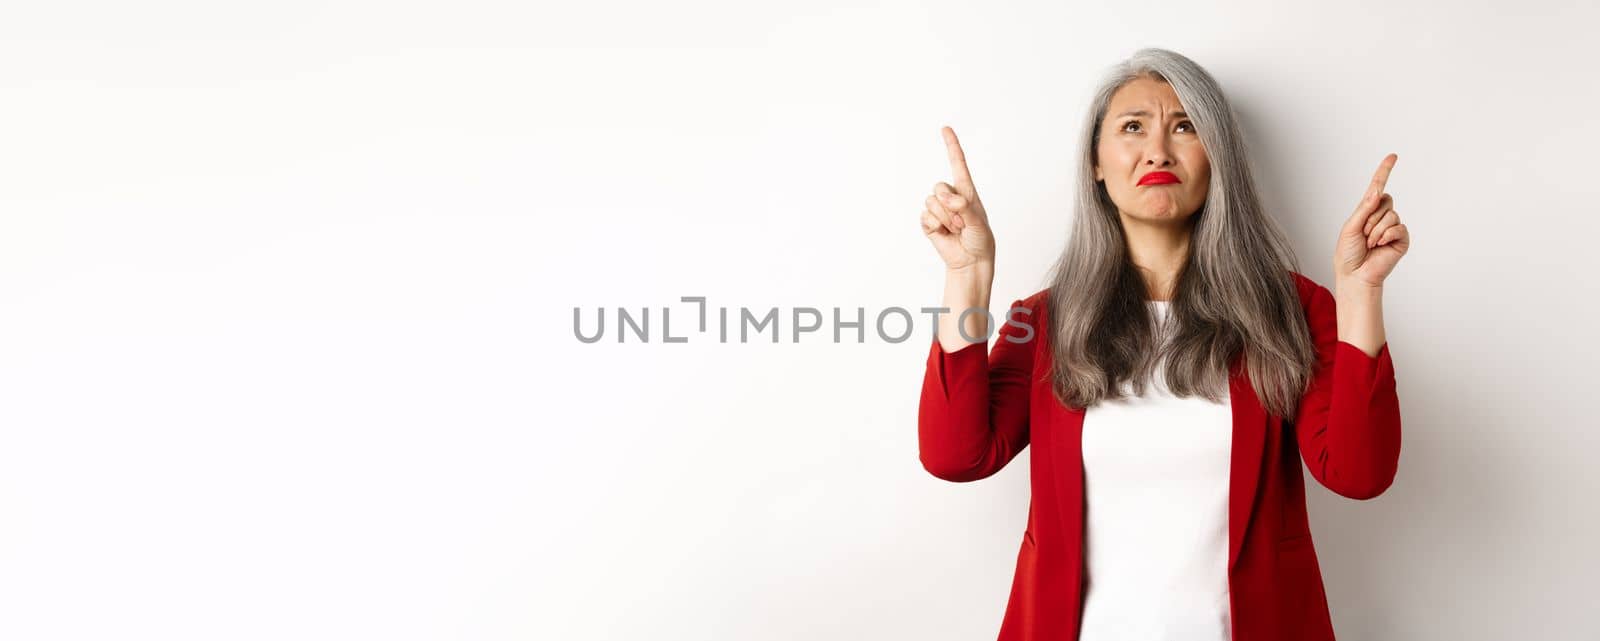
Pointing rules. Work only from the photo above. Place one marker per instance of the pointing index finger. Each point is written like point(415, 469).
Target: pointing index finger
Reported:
point(1380, 180)
point(958, 161)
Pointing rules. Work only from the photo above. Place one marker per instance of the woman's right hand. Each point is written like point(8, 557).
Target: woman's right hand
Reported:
point(953, 217)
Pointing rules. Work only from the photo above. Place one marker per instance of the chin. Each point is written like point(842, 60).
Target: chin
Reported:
point(1168, 218)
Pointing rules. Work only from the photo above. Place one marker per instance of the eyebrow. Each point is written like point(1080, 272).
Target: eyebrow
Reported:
point(1142, 112)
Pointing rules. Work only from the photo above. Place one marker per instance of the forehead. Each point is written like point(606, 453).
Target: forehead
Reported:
point(1144, 93)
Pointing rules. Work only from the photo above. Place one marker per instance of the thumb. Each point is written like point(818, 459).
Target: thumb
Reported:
point(965, 207)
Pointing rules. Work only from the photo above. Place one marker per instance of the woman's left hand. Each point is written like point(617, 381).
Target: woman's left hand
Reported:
point(1373, 239)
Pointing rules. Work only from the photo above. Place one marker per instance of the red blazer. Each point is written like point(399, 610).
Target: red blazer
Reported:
point(978, 412)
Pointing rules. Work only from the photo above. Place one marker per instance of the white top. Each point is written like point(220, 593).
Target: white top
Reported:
point(1156, 483)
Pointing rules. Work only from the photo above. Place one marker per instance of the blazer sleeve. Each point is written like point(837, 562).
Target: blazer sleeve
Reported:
point(1348, 422)
point(973, 415)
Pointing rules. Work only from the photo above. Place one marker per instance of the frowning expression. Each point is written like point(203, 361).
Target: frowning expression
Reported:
point(1149, 155)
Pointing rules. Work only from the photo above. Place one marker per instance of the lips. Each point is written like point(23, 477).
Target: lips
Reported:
point(1158, 178)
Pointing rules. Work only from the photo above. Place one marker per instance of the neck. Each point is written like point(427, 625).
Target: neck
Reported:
point(1158, 252)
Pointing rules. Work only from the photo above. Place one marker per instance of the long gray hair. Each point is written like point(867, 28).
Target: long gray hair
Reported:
point(1234, 293)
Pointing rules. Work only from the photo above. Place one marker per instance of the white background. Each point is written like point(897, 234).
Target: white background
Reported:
point(287, 292)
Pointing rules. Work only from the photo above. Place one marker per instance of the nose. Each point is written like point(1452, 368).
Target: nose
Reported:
point(1156, 153)
point(1158, 157)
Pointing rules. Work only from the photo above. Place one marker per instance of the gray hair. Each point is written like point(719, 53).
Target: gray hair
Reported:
point(1235, 292)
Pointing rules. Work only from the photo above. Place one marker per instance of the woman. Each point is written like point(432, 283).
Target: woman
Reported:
point(1185, 368)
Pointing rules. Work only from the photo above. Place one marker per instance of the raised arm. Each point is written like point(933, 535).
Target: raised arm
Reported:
point(973, 417)
point(1348, 425)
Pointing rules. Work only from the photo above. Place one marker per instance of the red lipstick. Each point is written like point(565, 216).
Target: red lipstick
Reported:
point(1158, 178)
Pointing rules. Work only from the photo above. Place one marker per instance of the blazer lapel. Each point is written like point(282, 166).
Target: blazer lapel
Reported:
point(1249, 438)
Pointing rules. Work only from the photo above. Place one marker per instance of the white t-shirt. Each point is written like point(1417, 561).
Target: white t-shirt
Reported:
point(1156, 484)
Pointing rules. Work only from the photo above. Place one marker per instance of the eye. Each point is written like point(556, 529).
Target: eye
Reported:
point(1135, 123)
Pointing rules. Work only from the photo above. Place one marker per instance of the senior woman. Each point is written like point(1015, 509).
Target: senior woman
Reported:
point(1170, 379)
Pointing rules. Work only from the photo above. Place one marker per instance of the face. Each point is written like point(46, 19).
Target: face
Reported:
point(1161, 138)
